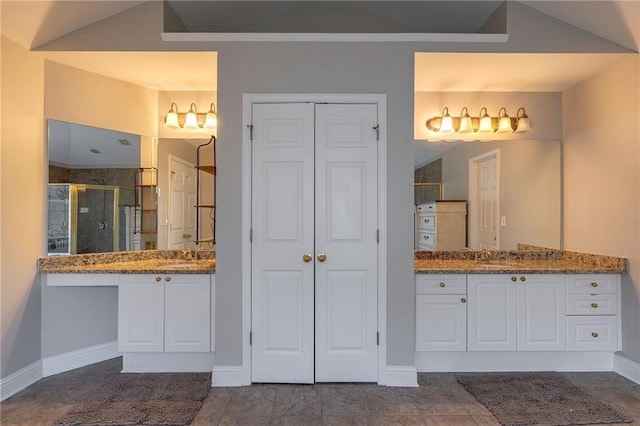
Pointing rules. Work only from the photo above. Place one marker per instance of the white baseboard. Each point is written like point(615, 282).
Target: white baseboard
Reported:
point(19, 380)
point(79, 358)
point(228, 376)
point(625, 367)
point(402, 376)
point(513, 361)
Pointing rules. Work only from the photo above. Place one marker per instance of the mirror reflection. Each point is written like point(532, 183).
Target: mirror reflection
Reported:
point(91, 195)
point(508, 193)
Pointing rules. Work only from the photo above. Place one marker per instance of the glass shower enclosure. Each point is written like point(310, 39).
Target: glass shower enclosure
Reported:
point(87, 218)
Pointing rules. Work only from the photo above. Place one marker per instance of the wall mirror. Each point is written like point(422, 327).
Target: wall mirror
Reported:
point(92, 189)
point(528, 195)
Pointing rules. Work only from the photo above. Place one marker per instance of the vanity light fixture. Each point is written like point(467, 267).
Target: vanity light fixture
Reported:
point(483, 123)
point(191, 119)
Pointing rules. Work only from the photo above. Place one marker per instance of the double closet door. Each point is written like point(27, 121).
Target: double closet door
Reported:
point(314, 243)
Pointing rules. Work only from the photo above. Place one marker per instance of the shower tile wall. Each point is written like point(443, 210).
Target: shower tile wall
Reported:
point(429, 173)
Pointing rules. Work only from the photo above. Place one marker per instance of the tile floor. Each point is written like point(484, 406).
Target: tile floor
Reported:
point(439, 400)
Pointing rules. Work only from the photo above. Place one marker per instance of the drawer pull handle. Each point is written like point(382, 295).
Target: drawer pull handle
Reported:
point(594, 334)
point(514, 279)
point(594, 284)
point(442, 285)
point(594, 305)
point(158, 279)
point(523, 279)
point(463, 300)
point(167, 279)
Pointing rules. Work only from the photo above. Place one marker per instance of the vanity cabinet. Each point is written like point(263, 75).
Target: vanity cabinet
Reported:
point(441, 312)
point(517, 312)
point(164, 313)
point(441, 225)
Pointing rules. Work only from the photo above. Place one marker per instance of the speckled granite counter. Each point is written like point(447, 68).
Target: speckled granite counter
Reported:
point(517, 262)
point(136, 262)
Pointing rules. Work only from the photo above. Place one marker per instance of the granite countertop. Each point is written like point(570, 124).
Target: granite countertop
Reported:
point(546, 261)
point(142, 262)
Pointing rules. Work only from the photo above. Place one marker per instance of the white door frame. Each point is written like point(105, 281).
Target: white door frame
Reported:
point(247, 101)
point(473, 196)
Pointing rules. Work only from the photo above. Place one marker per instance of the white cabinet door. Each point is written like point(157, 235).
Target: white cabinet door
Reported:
point(492, 313)
point(441, 322)
point(541, 312)
point(141, 313)
point(187, 318)
point(164, 313)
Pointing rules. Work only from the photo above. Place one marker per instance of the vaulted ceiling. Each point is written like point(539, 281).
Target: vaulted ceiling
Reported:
point(36, 23)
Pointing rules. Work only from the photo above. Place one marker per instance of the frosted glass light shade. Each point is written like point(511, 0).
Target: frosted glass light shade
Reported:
point(523, 124)
point(191, 120)
point(171, 119)
point(466, 125)
point(446, 124)
point(485, 122)
point(211, 120)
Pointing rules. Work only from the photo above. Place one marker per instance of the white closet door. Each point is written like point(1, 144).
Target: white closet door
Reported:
point(346, 232)
point(282, 233)
point(182, 201)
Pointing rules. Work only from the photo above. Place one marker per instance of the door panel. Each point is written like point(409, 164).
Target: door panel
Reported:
point(182, 201)
point(282, 227)
point(346, 227)
point(488, 199)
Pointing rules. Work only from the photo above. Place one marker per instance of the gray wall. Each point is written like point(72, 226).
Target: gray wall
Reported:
point(317, 68)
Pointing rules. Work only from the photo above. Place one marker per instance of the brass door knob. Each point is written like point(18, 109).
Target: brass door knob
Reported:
point(307, 258)
point(185, 235)
point(594, 305)
point(463, 300)
point(158, 279)
point(594, 334)
point(167, 279)
point(322, 257)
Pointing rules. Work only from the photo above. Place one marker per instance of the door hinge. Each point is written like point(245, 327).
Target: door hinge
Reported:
point(251, 235)
point(377, 235)
point(377, 338)
point(377, 129)
point(250, 126)
point(250, 338)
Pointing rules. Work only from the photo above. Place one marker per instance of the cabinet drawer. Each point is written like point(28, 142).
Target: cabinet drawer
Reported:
point(592, 284)
point(591, 304)
point(426, 239)
point(426, 221)
point(427, 207)
point(441, 284)
point(592, 333)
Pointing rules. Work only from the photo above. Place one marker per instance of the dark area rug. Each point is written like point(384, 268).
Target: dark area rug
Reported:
point(537, 398)
point(141, 399)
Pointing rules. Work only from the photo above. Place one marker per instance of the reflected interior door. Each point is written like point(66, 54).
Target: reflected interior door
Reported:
point(182, 201)
point(488, 201)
